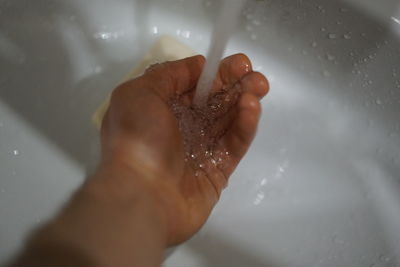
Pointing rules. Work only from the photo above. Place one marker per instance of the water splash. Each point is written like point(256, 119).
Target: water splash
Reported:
point(201, 128)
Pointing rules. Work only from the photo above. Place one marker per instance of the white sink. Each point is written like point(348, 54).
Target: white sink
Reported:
point(321, 184)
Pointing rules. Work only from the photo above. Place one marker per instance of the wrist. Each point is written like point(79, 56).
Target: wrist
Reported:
point(122, 180)
point(120, 185)
point(108, 222)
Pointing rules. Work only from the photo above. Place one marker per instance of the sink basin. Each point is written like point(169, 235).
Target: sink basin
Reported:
point(321, 183)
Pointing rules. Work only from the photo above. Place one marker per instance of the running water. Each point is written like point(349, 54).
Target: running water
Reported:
point(223, 30)
point(202, 124)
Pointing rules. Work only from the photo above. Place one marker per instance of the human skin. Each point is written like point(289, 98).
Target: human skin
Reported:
point(146, 195)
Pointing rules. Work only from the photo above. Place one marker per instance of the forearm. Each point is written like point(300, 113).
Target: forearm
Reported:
point(105, 224)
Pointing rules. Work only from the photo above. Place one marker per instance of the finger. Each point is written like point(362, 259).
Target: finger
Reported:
point(231, 70)
point(243, 129)
point(227, 87)
point(256, 84)
point(239, 136)
point(174, 77)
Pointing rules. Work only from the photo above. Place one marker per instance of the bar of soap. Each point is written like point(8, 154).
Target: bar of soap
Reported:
point(164, 49)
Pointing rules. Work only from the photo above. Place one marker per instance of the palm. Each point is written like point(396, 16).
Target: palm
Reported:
point(196, 150)
point(214, 138)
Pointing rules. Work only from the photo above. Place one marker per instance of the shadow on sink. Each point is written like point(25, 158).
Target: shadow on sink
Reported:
point(213, 250)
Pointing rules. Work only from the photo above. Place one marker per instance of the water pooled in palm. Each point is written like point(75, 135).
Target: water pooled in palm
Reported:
point(204, 118)
point(202, 128)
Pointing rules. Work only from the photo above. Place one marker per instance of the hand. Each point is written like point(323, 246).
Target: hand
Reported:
point(180, 155)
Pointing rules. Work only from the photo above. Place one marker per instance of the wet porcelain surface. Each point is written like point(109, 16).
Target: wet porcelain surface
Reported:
point(319, 187)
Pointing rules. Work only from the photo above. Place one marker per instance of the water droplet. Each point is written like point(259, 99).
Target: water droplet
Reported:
point(337, 240)
point(332, 36)
point(263, 182)
point(98, 69)
point(343, 9)
point(326, 73)
point(186, 34)
point(253, 37)
point(347, 36)
point(256, 22)
point(384, 258)
point(330, 57)
point(314, 44)
point(249, 28)
point(378, 101)
point(259, 198)
point(15, 152)
point(249, 16)
point(323, 29)
point(108, 36)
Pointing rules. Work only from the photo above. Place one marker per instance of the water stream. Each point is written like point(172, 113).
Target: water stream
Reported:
point(223, 29)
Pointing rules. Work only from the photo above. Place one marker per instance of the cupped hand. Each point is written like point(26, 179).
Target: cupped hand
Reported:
point(180, 154)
